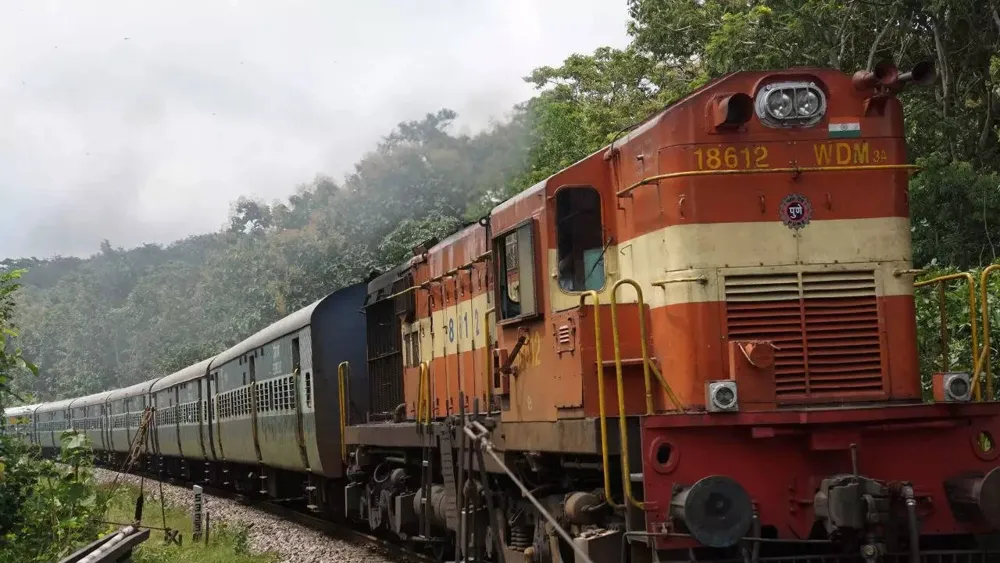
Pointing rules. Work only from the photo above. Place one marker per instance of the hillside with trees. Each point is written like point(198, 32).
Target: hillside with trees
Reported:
point(125, 315)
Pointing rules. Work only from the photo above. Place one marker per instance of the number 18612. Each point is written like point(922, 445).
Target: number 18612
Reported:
point(731, 158)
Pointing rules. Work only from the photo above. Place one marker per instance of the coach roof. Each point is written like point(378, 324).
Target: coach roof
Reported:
point(54, 405)
point(132, 391)
point(21, 410)
point(287, 325)
point(95, 399)
point(187, 374)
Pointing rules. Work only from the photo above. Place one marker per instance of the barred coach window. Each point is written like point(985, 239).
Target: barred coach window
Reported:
point(580, 235)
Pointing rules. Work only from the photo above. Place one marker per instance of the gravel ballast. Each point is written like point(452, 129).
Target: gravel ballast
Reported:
point(293, 542)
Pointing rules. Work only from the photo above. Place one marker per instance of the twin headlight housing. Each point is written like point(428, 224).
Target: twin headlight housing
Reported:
point(784, 104)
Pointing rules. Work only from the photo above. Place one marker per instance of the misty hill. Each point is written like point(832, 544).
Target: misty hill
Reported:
point(122, 316)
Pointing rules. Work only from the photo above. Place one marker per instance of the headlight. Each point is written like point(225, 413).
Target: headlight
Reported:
point(952, 387)
point(958, 386)
point(806, 103)
point(779, 105)
point(787, 104)
point(722, 396)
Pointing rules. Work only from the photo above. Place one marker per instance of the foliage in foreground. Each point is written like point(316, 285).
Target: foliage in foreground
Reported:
point(47, 509)
point(226, 543)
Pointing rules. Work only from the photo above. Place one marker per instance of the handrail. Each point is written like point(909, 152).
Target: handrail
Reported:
point(423, 395)
point(602, 411)
point(622, 426)
point(343, 371)
point(642, 345)
point(666, 386)
point(970, 279)
point(488, 365)
point(985, 363)
point(420, 394)
point(796, 170)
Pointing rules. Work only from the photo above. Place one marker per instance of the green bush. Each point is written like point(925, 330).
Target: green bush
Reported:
point(48, 508)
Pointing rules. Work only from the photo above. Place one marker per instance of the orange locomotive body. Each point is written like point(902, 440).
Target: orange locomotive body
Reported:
point(698, 342)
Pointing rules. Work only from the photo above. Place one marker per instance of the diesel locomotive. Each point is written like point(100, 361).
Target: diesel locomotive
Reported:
point(696, 344)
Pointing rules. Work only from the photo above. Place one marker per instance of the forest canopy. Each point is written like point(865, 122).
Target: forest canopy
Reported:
point(125, 315)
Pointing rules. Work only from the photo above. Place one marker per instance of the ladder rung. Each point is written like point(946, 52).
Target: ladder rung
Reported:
point(626, 362)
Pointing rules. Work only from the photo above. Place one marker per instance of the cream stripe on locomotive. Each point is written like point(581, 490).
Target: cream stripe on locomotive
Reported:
point(689, 258)
point(681, 254)
point(458, 328)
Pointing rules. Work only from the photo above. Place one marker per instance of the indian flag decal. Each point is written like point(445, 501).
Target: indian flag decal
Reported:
point(844, 127)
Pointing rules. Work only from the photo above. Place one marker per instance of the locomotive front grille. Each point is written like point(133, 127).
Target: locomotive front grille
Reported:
point(824, 324)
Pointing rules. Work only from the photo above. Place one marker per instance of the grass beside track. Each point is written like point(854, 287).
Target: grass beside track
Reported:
point(227, 543)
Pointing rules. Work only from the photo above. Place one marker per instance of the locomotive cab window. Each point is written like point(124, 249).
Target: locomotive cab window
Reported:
point(580, 236)
point(516, 272)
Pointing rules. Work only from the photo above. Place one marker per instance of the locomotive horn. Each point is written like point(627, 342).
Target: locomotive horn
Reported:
point(884, 74)
point(716, 510)
point(921, 74)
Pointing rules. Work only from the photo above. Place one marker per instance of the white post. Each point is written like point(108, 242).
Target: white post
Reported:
point(196, 517)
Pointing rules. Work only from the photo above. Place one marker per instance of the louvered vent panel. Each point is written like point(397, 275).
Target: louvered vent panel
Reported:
point(825, 325)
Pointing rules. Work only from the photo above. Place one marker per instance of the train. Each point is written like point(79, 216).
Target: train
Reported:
point(697, 343)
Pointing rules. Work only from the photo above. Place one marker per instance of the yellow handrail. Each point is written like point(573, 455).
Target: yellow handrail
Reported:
point(420, 394)
point(666, 386)
point(488, 365)
point(642, 344)
point(343, 371)
point(423, 394)
point(971, 281)
point(985, 363)
point(602, 411)
point(796, 170)
point(622, 426)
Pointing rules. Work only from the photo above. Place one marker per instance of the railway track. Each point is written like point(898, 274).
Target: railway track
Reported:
point(344, 532)
point(376, 545)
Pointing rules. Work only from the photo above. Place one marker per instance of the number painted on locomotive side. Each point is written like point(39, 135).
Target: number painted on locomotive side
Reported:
point(530, 354)
point(451, 330)
point(732, 158)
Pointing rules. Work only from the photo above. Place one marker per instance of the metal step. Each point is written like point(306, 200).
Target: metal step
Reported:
point(448, 473)
point(426, 479)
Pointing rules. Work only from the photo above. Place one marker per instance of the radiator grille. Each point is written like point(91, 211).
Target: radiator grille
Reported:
point(825, 325)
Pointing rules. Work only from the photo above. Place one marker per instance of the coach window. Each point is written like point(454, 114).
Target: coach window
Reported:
point(516, 272)
point(580, 237)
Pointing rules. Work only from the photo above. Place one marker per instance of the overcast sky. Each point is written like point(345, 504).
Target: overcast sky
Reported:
point(142, 121)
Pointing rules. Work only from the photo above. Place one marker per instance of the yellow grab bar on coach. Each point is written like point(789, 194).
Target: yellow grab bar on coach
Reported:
point(343, 372)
